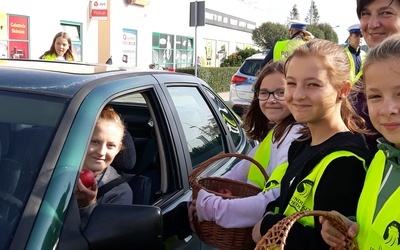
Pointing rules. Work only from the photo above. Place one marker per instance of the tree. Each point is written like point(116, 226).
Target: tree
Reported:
point(316, 31)
point(323, 31)
point(329, 33)
point(268, 34)
point(312, 15)
point(294, 14)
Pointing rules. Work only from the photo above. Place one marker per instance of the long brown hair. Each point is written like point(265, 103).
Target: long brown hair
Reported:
point(255, 123)
point(69, 54)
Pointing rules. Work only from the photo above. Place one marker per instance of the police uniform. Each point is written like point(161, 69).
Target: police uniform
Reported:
point(356, 55)
point(282, 49)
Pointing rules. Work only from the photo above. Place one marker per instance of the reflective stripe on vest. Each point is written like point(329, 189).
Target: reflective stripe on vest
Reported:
point(303, 197)
point(353, 77)
point(383, 232)
point(262, 155)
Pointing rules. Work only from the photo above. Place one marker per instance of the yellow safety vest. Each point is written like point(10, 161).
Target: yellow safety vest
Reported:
point(53, 57)
point(280, 50)
point(262, 155)
point(353, 77)
point(303, 197)
point(283, 49)
point(383, 231)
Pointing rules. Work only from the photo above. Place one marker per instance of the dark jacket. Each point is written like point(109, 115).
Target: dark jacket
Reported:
point(339, 187)
point(121, 194)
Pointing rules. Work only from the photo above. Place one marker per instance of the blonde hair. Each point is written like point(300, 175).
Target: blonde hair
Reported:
point(108, 114)
point(337, 63)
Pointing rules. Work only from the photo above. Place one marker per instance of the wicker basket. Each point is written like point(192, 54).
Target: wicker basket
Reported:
point(208, 231)
point(275, 238)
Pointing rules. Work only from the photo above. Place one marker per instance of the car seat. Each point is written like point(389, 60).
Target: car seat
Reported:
point(125, 161)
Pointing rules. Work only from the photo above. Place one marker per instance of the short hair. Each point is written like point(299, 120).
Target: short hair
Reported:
point(362, 3)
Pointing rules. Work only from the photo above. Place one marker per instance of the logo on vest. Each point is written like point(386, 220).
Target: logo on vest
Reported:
point(303, 189)
point(392, 234)
point(271, 184)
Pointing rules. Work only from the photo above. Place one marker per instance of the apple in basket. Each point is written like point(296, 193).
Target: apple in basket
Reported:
point(87, 177)
point(225, 191)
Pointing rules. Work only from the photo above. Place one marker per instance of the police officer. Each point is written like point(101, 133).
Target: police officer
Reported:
point(354, 52)
point(281, 49)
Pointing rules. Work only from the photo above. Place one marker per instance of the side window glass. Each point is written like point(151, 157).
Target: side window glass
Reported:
point(203, 135)
point(231, 122)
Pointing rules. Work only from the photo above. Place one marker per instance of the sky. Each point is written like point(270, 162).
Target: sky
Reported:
point(340, 13)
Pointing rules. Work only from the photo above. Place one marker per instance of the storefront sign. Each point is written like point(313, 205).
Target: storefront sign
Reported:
point(17, 27)
point(98, 10)
point(129, 47)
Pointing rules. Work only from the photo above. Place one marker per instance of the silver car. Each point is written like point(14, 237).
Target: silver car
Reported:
point(241, 87)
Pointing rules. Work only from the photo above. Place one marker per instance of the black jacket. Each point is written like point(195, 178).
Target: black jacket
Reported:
point(339, 188)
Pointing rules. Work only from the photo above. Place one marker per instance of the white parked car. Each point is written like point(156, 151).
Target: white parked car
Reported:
point(241, 87)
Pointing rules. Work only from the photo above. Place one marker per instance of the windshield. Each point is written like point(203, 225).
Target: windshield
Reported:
point(27, 126)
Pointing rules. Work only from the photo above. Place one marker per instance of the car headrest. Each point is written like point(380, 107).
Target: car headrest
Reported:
point(126, 158)
point(5, 130)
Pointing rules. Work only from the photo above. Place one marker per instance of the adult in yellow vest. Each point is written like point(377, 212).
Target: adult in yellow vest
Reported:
point(269, 121)
point(327, 164)
point(354, 52)
point(61, 48)
point(282, 49)
point(377, 219)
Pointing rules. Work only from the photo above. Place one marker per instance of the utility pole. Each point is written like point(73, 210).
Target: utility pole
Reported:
point(197, 18)
point(311, 11)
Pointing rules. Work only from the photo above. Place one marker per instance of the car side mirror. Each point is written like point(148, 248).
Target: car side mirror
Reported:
point(114, 226)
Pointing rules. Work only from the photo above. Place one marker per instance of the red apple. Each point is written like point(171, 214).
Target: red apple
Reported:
point(87, 177)
point(225, 191)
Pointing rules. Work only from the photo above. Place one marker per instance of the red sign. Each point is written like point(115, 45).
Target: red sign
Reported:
point(18, 50)
point(18, 27)
point(99, 13)
point(98, 9)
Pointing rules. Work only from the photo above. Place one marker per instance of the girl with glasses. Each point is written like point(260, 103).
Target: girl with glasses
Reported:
point(269, 121)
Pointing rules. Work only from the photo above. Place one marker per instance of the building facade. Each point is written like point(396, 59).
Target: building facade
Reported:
point(135, 33)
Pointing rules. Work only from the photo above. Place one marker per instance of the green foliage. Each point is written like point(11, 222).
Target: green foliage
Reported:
point(268, 33)
point(218, 78)
point(329, 33)
point(316, 31)
point(247, 52)
point(236, 59)
point(312, 15)
point(323, 31)
point(294, 14)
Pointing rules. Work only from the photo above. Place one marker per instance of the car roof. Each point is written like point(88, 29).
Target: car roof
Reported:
point(55, 77)
point(257, 56)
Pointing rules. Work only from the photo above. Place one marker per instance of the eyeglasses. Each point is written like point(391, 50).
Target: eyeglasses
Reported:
point(263, 95)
